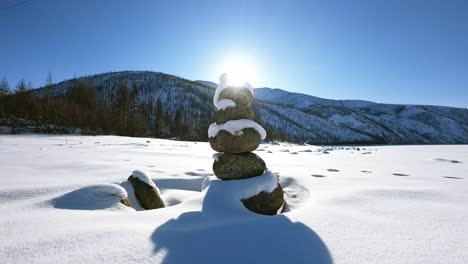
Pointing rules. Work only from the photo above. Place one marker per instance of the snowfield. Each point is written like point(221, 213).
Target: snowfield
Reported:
point(379, 204)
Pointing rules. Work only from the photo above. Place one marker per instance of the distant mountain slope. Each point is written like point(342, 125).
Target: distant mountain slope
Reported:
point(293, 116)
point(303, 101)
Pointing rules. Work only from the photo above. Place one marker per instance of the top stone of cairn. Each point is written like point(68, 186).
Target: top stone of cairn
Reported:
point(232, 92)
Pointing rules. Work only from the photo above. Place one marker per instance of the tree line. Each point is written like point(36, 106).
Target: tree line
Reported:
point(123, 113)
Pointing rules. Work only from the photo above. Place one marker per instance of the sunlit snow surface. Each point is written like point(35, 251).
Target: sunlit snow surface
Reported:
point(384, 204)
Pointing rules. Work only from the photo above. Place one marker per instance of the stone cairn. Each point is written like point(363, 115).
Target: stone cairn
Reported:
point(236, 135)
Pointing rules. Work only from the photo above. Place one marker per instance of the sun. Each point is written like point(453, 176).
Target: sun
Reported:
point(240, 69)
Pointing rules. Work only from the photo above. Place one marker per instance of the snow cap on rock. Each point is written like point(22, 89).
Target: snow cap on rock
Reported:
point(235, 127)
point(228, 80)
point(144, 178)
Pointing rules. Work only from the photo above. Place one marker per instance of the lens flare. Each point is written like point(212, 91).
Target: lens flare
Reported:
point(240, 70)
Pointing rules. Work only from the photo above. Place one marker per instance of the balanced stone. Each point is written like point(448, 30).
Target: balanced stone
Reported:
point(266, 203)
point(241, 96)
point(224, 141)
point(233, 113)
point(147, 195)
point(238, 166)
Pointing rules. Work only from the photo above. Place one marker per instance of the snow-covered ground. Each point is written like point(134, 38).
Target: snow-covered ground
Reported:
point(385, 204)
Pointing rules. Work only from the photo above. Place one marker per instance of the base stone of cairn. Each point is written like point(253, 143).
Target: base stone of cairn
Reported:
point(236, 135)
point(266, 203)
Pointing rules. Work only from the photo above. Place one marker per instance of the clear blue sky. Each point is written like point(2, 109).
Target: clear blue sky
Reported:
point(386, 51)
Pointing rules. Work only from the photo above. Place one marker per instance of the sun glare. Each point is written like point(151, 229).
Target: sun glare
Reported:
point(240, 70)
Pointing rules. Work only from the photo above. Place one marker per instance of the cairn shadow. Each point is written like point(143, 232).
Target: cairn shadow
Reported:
point(210, 236)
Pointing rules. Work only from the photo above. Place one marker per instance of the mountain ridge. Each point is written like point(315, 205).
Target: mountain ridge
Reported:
point(291, 116)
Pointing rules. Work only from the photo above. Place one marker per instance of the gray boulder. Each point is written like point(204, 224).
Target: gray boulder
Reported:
point(266, 203)
point(147, 195)
point(238, 166)
point(228, 143)
point(241, 96)
point(233, 113)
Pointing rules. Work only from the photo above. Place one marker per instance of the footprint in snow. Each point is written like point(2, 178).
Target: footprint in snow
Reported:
point(452, 177)
point(191, 173)
point(400, 174)
point(307, 150)
point(367, 153)
point(294, 153)
point(318, 175)
point(333, 170)
point(446, 160)
point(365, 171)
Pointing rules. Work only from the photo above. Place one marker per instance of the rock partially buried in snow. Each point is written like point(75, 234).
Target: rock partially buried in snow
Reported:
point(240, 95)
point(94, 197)
point(233, 113)
point(247, 141)
point(238, 166)
point(146, 191)
point(266, 203)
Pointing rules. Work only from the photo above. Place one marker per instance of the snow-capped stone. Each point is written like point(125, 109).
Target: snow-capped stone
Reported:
point(238, 166)
point(235, 127)
point(144, 178)
point(147, 194)
point(245, 140)
point(266, 203)
point(242, 189)
point(234, 113)
point(225, 81)
point(240, 96)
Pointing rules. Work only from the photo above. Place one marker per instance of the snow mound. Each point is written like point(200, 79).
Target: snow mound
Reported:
point(225, 81)
point(94, 197)
point(227, 195)
point(144, 178)
point(235, 127)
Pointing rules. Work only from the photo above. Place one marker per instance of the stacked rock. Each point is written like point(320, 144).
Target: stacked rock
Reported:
point(236, 135)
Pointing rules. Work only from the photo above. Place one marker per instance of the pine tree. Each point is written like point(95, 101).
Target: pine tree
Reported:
point(161, 120)
point(4, 87)
point(21, 86)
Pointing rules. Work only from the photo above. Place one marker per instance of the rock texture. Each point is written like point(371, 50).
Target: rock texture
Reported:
point(241, 96)
point(233, 113)
point(266, 203)
point(126, 202)
point(224, 141)
point(238, 166)
point(147, 195)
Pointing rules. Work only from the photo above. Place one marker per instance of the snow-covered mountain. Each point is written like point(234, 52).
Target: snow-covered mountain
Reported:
point(297, 117)
point(303, 101)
